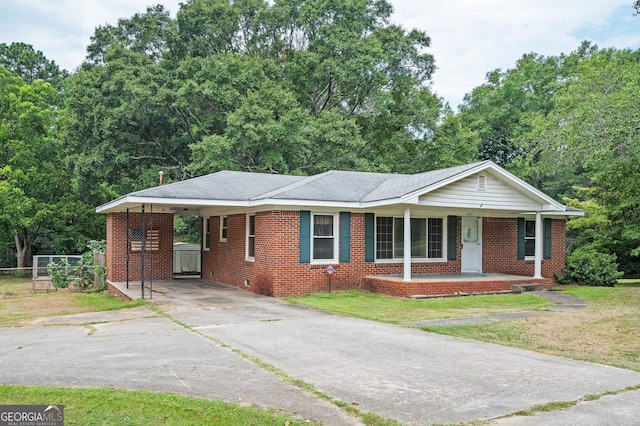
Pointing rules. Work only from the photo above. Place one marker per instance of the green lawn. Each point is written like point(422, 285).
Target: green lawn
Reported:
point(86, 407)
point(396, 310)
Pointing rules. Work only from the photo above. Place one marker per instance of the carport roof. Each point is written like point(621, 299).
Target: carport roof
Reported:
point(332, 188)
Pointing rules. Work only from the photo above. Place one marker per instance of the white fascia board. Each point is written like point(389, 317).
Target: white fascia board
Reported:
point(128, 201)
point(462, 205)
point(563, 213)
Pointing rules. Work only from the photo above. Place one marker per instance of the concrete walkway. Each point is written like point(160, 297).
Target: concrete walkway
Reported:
point(562, 303)
point(401, 373)
point(622, 409)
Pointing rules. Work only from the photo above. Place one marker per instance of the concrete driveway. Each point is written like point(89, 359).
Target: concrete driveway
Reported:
point(396, 372)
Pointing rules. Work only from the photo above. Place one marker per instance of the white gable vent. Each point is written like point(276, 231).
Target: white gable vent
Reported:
point(482, 182)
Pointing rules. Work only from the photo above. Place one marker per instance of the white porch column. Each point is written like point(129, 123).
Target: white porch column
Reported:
point(537, 263)
point(407, 245)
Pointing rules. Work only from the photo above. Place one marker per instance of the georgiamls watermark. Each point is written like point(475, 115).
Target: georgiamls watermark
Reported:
point(31, 415)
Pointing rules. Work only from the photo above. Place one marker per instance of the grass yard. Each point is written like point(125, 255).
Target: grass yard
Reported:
point(15, 287)
point(397, 310)
point(607, 332)
point(18, 303)
point(121, 407)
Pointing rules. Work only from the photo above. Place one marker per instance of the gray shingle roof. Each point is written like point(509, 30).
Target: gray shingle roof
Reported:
point(225, 185)
point(360, 189)
point(400, 185)
point(334, 185)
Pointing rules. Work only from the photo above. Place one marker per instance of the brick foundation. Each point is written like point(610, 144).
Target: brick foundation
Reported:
point(432, 287)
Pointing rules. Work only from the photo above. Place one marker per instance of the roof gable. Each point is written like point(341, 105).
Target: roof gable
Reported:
point(484, 190)
point(397, 186)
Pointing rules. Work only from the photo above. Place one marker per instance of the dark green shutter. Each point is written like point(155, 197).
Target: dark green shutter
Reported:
point(369, 238)
point(452, 237)
point(345, 236)
point(521, 235)
point(305, 236)
point(547, 239)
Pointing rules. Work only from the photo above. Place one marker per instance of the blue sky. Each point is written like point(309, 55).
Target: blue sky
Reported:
point(468, 37)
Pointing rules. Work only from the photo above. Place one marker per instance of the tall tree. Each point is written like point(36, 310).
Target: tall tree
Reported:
point(593, 132)
point(29, 64)
point(144, 33)
point(32, 176)
point(292, 86)
point(501, 109)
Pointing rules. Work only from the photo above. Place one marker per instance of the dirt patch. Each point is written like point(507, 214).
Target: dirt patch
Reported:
point(14, 311)
point(93, 317)
point(605, 332)
point(598, 334)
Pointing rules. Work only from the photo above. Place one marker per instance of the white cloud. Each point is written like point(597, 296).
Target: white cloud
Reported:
point(468, 37)
point(62, 29)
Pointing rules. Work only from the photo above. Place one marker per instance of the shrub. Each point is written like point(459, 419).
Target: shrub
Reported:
point(59, 274)
point(263, 284)
point(92, 272)
point(86, 275)
point(587, 266)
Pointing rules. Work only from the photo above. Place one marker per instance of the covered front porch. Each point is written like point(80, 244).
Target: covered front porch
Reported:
point(452, 284)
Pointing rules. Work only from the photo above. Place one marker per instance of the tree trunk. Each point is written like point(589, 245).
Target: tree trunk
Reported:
point(21, 250)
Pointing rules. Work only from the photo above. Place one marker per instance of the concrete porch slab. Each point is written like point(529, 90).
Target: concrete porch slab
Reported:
point(450, 284)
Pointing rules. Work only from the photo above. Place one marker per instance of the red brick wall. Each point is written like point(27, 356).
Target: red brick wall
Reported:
point(277, 257)
point(225, 261)
point(277, 254)
point(500, 248)
point(116, 256)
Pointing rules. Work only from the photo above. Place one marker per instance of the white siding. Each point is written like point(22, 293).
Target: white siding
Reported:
point(464, 193)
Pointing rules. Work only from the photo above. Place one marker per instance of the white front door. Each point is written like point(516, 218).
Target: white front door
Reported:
point(471, 244)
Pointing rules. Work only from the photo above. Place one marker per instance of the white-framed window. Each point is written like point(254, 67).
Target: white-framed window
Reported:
point(251, 237)
point(427, 238)
point(324, 243)
point(223, 228)
point(529, 239)
point(206, 233)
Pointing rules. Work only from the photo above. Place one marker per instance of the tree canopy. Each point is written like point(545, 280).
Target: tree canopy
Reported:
point(301, 87)
point(568, 124)
point(289, 86)
point(32, 181)
point(29, 64)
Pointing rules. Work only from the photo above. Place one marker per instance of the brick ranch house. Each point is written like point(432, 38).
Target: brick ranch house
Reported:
point(440, 232)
